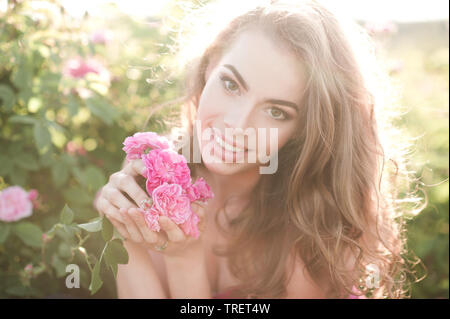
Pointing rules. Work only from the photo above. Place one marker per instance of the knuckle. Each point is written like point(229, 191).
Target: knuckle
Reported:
point(113, 178)
point(124, 180)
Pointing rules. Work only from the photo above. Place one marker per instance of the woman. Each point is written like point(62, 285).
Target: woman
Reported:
point(323, 224)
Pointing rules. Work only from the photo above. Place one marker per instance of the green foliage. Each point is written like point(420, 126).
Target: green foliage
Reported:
point(425, 81)
point(63, 135)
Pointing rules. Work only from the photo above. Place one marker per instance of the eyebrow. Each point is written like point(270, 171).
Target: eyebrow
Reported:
point(244, 84)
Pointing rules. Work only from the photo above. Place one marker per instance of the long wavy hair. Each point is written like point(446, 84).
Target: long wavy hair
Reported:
point(337, 198)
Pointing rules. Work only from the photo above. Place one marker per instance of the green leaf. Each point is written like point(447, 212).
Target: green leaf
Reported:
point(4, 232)
point(18, 290)
point(96, 281)
point(94, 178)
point(72, 106)
point(78, 174)
point(23, 119)
point(64, 250)
point(66, 215)
point(116, 234)
point(115, 253)
point(23, 75)
point(6, 165)
point(107, 229)
point(18, 177)
point(60, 173)
point(42, 136)
point(52, 231)
point(59, 265)
point(93, 226)
point(29, 233)
point(77, 195)
point(26, 161)
point(103, 110)
point(7, 97)
point(71, 230)
point(114, 270)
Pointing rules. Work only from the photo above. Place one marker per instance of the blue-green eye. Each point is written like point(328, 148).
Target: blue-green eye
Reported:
point(229, 84)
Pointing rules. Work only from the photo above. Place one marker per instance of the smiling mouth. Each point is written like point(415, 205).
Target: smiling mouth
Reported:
point(228, 147)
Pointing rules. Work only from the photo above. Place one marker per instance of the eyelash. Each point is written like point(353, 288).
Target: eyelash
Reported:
point(224, 78)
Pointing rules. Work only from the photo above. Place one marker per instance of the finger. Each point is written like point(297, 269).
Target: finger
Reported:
point(109, 209)
point(148, 235)
point(120, 228)
point(174, 232)
point(117, 198)
point(198, 208)
point(128, 184)
point(134, 232)
point(135, 168)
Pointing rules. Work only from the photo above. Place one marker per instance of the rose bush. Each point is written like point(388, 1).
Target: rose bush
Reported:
point(69, 95)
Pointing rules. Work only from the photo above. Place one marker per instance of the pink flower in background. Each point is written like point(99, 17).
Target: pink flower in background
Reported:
point(200, 190)
point(78, 68)
point(28, 268)
point(381, 27)
point(33, 194)
point(165, 166)
point(15, 204)
point(169, 200)
point(73, 148)
point(33, 197)
point(142, 142)
point(101, 36)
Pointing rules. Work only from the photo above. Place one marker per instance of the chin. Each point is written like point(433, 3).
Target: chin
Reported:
point(221, 168)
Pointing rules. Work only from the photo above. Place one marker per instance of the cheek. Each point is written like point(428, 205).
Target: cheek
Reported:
point(285, 135)
point(280, 137)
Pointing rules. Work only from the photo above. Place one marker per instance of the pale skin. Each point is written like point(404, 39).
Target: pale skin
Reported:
point(186, 268)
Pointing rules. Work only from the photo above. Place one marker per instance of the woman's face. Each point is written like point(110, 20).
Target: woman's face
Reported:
point(256, 86)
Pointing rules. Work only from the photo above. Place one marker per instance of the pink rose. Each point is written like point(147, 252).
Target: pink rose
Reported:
point(78, 68)
point(15, 204)
point(151, 217)
point(101, 36)
point(165, 166)
point(190, 227)
point(140, 143)
point(169, 200)
point(33, 194)
point(200, 190)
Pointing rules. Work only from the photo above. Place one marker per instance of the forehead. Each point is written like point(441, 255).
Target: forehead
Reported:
point(270, 70)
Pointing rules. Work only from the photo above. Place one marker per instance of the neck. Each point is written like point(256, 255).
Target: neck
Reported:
point(236, 187)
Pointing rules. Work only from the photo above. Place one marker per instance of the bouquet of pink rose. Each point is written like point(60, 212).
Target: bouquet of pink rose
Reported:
point(168, 182)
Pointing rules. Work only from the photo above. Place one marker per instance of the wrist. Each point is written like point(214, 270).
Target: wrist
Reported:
point(185, 259)
point(132, 247)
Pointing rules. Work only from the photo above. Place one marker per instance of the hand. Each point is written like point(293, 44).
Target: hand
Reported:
point(111, 197)
point(171, 236)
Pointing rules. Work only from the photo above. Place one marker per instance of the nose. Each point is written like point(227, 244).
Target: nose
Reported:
point(239, 115)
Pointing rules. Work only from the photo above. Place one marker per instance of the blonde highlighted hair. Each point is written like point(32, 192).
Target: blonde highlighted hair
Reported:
point(337, 190)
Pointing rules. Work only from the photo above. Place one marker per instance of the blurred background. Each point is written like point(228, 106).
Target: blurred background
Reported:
point(77, 77)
